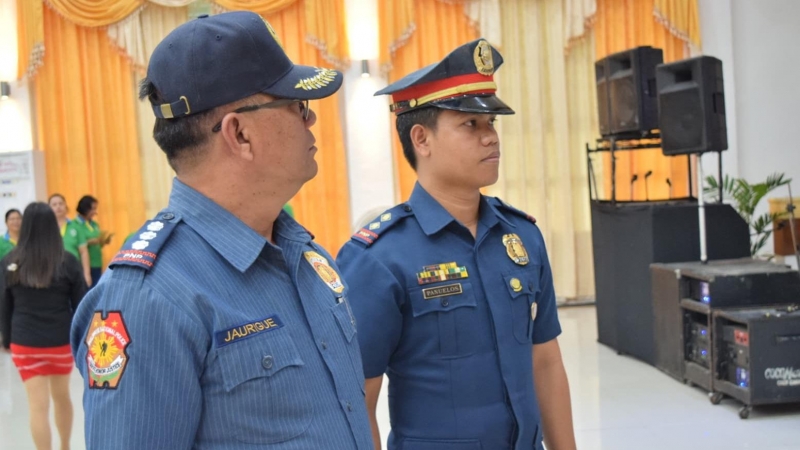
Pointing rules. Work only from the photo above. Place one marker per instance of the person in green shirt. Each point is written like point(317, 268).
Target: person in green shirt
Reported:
point(96, 238)
point(72, 235)
point(13, 225)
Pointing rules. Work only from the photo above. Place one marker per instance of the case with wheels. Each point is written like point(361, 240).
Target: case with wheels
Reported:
point(756, 356)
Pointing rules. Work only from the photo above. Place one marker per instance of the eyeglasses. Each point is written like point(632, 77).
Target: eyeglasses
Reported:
point(304, 109)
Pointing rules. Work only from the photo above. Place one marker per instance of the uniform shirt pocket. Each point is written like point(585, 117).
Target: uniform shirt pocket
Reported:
point(522, 289)
point(265, 379)
point(446, 310)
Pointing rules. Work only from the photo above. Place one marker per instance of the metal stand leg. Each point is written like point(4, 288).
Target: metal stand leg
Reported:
point(701, 210)
point(613, 171)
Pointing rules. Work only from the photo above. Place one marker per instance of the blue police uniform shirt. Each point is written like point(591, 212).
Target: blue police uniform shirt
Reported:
point(224, 339)
point(448, 318)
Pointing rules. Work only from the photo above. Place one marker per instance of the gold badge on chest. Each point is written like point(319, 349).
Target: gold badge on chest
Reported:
point(515, 249)
point(325, 271)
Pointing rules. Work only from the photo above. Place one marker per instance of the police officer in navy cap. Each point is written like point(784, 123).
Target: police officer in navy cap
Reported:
point(452, 290)
point(222, 325)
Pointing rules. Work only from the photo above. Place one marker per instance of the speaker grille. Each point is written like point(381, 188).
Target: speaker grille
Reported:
point(624, 114)
point(682, 130)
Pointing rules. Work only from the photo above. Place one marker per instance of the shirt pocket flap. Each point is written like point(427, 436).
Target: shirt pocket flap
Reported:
point(519, 283)
point(264, 355)
point(441, 298)
point(346, 320)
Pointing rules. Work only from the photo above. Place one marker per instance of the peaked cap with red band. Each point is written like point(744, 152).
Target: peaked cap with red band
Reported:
point(462, 81)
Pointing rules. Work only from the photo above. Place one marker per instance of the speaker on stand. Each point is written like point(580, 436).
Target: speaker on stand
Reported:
point(626, 91)
point(691, 106)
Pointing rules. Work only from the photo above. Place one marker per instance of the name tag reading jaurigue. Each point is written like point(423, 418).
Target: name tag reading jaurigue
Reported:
point(247, 330)
point(442, 291)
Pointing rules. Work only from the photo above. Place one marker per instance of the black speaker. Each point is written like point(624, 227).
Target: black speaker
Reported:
point(627, 238)
point(626, 91)
point(603, 106)
point(691, 104)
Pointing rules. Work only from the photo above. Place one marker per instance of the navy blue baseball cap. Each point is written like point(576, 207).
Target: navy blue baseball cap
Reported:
point(462, 81)
point(215, 60)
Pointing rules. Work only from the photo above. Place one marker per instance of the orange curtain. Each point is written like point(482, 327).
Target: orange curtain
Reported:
point(621, 25)
point(30, 37)
point(681, 17)
point(263, 7)
point(94, 13)
point(437, 29)
point(86, 122)
point(322, 205)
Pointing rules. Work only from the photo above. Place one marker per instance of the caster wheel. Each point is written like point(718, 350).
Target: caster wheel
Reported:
point(715, 397)
point(744, 413)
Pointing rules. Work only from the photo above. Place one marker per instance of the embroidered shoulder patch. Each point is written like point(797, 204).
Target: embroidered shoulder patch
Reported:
point(503, 205)
point(370, 232)
point(141, 250)
point(106, 358)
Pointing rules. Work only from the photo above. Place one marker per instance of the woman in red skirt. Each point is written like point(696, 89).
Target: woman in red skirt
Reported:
point(39, 291)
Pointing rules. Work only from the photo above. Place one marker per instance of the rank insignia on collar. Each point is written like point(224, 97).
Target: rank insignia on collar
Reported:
point(386, 216)
point(106, 358)
point(516, 251)
point(325, 271)
point(441, 272)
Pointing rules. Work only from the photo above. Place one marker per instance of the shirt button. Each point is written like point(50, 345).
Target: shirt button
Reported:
point(267, 362)
point(168, 216)
point(349, 406)
point(324, 345)
point(406, 208)
point(445, 302)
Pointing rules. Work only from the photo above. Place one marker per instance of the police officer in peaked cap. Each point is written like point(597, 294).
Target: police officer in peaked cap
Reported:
point(452, 290)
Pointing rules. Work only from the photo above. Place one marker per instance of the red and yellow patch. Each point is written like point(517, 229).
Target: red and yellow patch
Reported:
point(325, 271)
point(106, 359)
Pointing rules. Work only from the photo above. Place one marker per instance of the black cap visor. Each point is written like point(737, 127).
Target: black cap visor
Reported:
point(484, 104)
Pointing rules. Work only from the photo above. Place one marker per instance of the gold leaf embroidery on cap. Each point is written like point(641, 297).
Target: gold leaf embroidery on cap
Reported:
point(323, 78)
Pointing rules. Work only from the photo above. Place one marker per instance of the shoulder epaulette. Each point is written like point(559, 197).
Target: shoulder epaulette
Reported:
point(501, 204)
point(141, 250)
point(373, 230)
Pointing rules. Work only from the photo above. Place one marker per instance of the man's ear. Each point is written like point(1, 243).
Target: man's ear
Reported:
point(420, 138)
point(237, 137)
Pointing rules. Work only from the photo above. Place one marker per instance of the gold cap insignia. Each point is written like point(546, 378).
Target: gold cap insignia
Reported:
point(325, 271)
point(483, 58)
point(323, 78)
point(516, 251)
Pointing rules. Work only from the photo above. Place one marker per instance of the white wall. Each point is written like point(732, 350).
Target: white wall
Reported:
point(758, 44)
point(15, 111)
point(368, 141)
point(766, 64)
point(716, 29)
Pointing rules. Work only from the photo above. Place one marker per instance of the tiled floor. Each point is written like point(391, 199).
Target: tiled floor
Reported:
point(618, 403)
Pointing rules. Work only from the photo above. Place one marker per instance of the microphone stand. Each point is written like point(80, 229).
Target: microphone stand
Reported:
point(633, 180)
point(646, 187)
point(669, 183)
